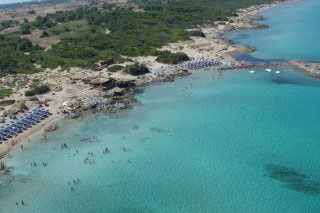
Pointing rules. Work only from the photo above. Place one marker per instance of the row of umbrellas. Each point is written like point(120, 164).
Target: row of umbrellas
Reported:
point(198, 63)
point(205, 62)
point(18, 125)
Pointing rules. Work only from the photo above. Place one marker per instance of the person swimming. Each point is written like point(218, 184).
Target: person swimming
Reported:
point(106, 151)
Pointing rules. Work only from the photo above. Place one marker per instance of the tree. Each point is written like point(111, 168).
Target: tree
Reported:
point(136, 69)
point(44, 34)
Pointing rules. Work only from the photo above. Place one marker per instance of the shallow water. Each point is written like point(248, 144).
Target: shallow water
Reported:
point(204, 143)
point(211, 142)
point(293, 34)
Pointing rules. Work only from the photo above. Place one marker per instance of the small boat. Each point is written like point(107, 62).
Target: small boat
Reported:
point(268, 70)
point(252, 71)
point(88, 140)
point(277, 72)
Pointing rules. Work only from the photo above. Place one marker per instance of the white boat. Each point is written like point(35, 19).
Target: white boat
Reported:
point(252, 71)
point(277, 72)
point(268, 70)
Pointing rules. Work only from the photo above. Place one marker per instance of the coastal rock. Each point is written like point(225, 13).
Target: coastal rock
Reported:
point(17, 107)
point(124, 83)
point(99, 81)
point(88, 105)
point(51, 127)
point(117, 91)
point(76, 76)
point(168, 79)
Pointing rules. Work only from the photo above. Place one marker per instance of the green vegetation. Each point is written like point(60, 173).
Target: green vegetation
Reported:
point(84, 40)
point(167, 57)
point(44, 34)
point(196, 33)
point(25, 29)
point(5, 93)
point(13, 57)
point(7, 102)
point(37, 90)
point(6, 24)
point(115, 68)
point(136, 69)
point(190, 13)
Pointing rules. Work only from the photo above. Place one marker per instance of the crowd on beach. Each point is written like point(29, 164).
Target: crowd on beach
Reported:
point(204, 62)
point(198, 63)
point(18, 125)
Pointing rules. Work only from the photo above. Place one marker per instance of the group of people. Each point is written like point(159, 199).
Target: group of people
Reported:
point(18, 125)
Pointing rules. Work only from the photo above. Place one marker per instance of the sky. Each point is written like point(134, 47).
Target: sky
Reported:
point(12, 1)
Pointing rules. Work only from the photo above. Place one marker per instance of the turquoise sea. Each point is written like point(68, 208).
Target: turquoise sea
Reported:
point(294, 32)
point(214, 141)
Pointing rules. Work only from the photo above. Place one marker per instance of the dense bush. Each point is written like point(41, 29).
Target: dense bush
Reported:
point(115, 68)
point(13, 57)
point(44, 34)
point(196, 33)
point(167, 57)
point(25, 29)
point(84, 40)
point(136, 69)
point(5, 93)
point(37, 90)
point(7, 102)
point(6, 24)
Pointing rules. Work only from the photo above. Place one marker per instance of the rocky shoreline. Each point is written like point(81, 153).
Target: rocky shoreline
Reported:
point(311, 68)
point(77, 91)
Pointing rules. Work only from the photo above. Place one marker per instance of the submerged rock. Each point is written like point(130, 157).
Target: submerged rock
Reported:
point(293, 179)
point(51, 127)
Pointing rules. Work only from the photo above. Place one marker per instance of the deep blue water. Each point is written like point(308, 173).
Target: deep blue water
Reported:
point(214, 141)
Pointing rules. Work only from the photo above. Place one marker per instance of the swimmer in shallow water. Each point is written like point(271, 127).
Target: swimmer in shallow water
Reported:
point(106, 150)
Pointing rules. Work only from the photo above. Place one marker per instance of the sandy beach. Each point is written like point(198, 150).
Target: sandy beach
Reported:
point(69, 91)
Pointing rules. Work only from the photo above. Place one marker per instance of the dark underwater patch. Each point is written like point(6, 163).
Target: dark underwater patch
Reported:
point(158, 130)
point(249, 58)
point(138, 91)
point(283, 81)
point(293, 179)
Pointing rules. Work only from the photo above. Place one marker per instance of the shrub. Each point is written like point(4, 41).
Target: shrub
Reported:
point(5, 24)
point(7, 102)
point(115, 68)
point(5, 93)
point(37, 90)
point(25, 29)
point(167, 57)
point(44, 34)
point(136, 69)
point(197, 33)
